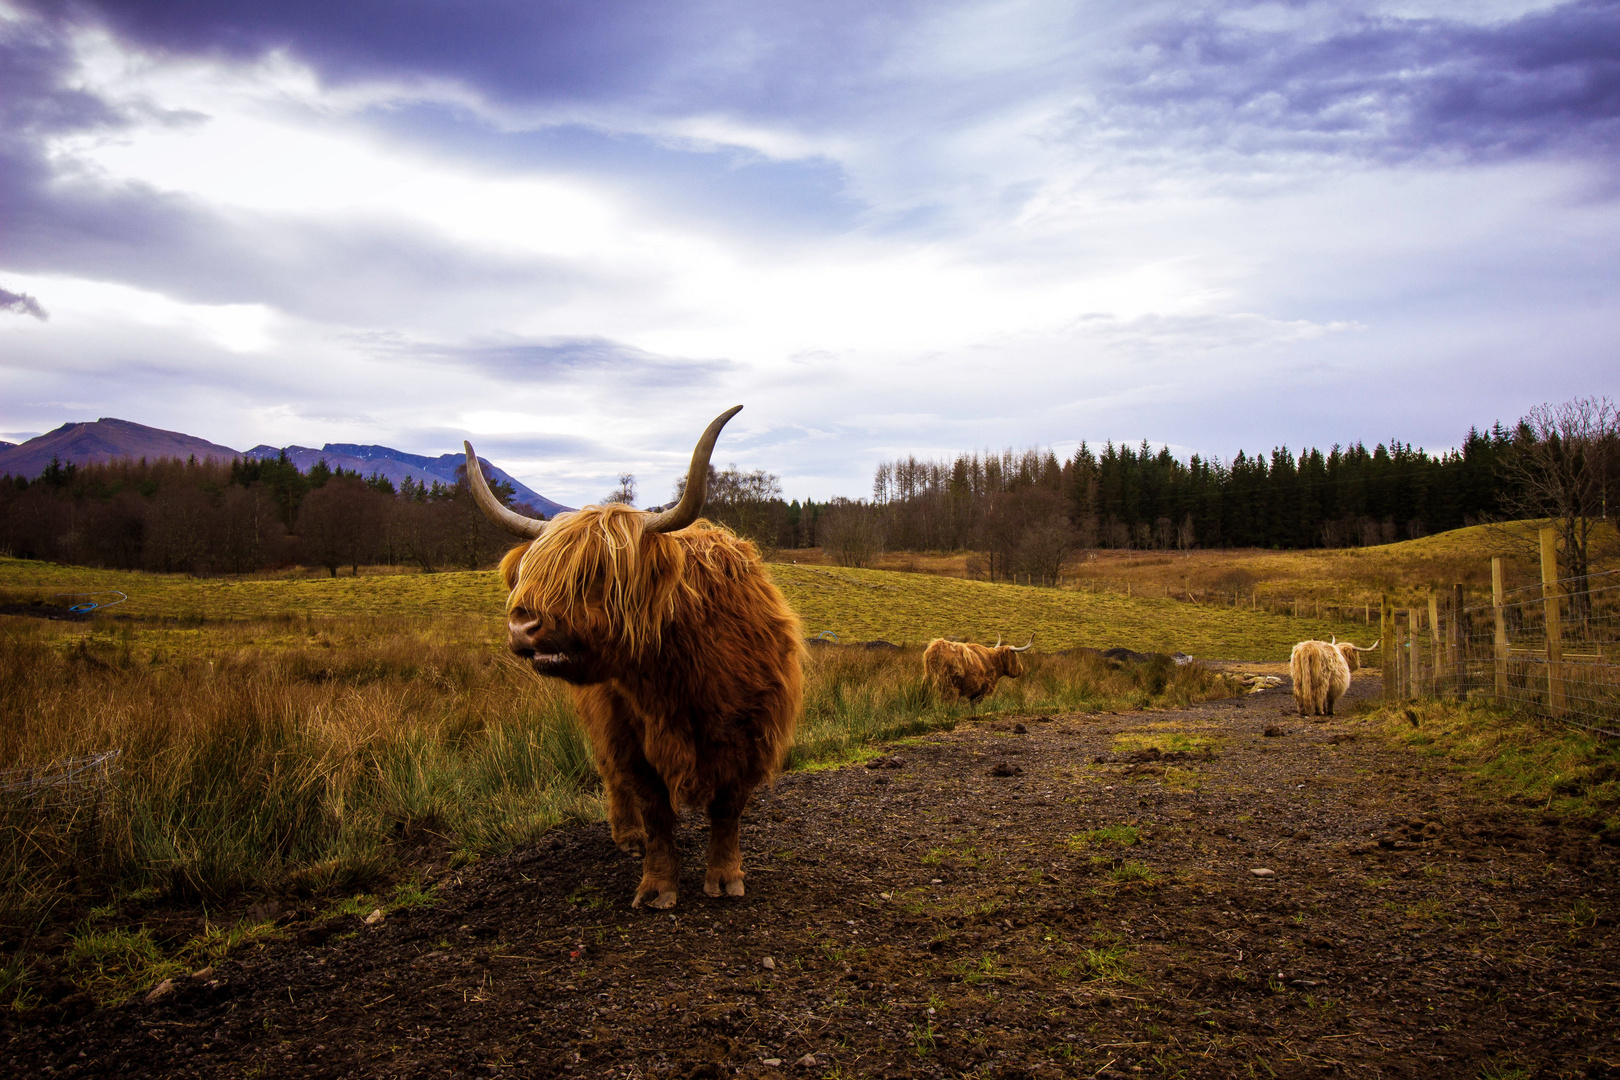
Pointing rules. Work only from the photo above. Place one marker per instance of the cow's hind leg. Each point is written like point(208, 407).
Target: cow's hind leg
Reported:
point(725, 854)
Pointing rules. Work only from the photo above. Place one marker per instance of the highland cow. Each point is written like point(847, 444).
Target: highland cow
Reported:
point(1321, 673)
point(962, 669)
point(684, 660)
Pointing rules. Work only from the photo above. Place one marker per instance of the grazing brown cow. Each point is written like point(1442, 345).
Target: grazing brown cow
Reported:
point(1321, 673)
point(684, 659)
point(962, 669)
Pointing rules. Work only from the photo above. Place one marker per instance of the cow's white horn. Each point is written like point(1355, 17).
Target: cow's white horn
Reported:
point(687, 510)
point(1026, 644)
point(510, 520)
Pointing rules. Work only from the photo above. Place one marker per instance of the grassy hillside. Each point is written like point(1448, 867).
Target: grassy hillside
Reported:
point(856, 605)
point(861, 605)
point(1342, 576)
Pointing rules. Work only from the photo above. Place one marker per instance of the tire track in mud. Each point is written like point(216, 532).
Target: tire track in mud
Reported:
point(1033, 897)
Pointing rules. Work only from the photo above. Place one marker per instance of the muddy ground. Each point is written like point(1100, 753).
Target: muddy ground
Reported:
point(956, 912)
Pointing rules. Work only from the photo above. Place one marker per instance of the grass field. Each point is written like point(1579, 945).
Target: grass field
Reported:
point(307, 734)
point(856, 605)
point(315, 735)
point(1351, 577)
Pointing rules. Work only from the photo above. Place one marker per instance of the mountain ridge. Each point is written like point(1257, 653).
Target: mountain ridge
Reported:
point(109, 439)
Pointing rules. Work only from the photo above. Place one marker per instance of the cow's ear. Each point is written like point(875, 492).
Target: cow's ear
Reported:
point(509, 565)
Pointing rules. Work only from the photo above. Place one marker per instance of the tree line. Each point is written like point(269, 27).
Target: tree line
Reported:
point(1024, 513)
point(213, 517)
point(1020, 513)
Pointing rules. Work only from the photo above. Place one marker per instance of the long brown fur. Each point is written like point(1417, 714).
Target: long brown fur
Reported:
point(700, 682)
point(962, 669)
point(1321, 674)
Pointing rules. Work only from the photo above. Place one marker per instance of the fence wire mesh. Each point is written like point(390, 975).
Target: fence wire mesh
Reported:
point(81, 781)
point(1505, 651)
point(1555, 650)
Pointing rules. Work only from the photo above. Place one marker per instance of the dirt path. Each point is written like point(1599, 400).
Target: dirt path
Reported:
point(958, 913)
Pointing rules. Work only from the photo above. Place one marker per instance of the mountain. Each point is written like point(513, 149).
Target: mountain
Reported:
point(105, 440)
point(109, 438)
point(397, 465)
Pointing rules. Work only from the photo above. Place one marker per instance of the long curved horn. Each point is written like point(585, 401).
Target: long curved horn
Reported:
point(1335, 639)
point(1027, 644)
point(687, 510)
point(997, 645)
point(510, 520)
point(1369, 648)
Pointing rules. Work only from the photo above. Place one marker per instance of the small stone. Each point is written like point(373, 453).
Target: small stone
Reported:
point(1020, 729)
point(203, 974)
point(936, 881)
point(375, 917)
point(885, 896)
point(808, 1061)
point(774, 1063)
point(162, 989)
point(1272, 731)
point(769, 964)
point(1261, 871)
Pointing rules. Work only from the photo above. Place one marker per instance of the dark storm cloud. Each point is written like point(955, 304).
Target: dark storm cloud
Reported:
point(598, 360)
point(22, 304)
point(527, 51)
point(1380, 87)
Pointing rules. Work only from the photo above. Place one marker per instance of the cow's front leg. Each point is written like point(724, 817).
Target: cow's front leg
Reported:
point(725, 855)
point(624, 817)
point(661, 865)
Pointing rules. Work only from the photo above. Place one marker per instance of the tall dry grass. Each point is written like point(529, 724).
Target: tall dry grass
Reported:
point(309, 754)
point(294, 767)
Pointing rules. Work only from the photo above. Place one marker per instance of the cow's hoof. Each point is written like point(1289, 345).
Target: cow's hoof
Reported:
point(660, 900)
point(714, 885)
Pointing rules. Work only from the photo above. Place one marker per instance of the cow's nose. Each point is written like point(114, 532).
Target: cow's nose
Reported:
point(521, 631)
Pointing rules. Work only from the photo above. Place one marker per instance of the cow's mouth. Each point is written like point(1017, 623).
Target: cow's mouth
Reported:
point(543, 661)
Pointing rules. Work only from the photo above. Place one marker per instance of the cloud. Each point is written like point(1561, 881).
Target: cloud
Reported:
point(22, 304)
point(525, 52)
point(595, 360)
point(1381, 87)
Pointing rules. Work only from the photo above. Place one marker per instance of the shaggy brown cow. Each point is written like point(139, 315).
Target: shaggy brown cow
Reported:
point(962, 669)
point(1351, 653)
point(1321, 673)
point(684, 659)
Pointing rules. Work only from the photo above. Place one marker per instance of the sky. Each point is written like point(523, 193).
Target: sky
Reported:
point(574, 232)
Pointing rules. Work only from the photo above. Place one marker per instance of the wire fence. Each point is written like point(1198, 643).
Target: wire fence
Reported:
point(71, 782)
point(1552, 648)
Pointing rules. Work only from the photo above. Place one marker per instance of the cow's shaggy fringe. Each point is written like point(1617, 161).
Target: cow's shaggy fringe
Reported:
point(600, 565)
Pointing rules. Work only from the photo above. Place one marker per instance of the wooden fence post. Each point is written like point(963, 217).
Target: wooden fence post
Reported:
point(1501, 630)
point(1413, 654)
point(1436, 642)
point(1459, 645)
point(1555, 629)
point(1387, 653)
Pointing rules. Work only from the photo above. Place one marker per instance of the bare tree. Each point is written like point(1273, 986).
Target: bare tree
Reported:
point(748, 503)
point(850, 532)
point(1044, 547)
point(626, 494)
point(1185, 535)
point(1565, 463)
